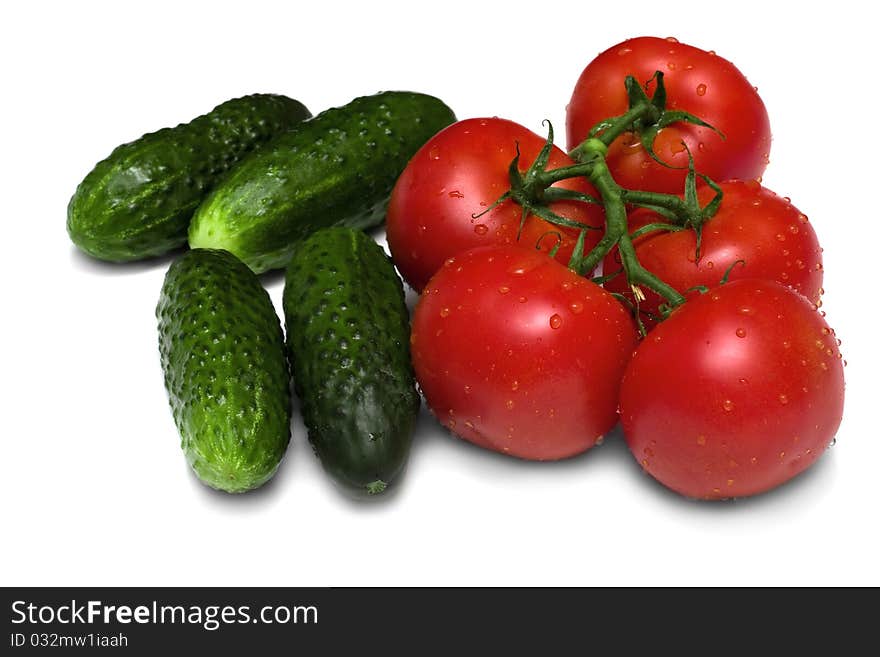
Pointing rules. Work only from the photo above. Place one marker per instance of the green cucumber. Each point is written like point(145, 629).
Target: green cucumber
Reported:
point(348, 344)
point(226, 372)
point(336, 169)
point(139, 201)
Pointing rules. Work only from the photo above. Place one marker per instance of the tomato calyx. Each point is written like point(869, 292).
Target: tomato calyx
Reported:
point(686, 212)
point(646, 116)
point(533, 194)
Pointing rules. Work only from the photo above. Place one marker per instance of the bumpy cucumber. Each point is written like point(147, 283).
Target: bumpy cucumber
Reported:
point(226, 371)
point(348, 343)
point(138, 202)
point(336, 169)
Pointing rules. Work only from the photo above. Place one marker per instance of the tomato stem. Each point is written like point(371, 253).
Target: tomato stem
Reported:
point(610, 129)
point(670, 206)
point(616, 233)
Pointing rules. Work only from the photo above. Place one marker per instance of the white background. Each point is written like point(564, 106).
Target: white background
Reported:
point(95, 489)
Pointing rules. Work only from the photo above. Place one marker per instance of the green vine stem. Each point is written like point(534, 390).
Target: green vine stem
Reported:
point(533, 190)
point(617, 233)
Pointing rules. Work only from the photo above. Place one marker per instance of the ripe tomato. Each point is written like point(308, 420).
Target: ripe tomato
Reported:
point(698, 82)
point(736, 392)
point(773, 238)
point(461, 172)
point(516, 353)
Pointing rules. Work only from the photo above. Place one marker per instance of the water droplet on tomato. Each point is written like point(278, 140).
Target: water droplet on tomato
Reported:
point(727, 405)
point(509, 404)
point(710, 264)
point(434, 153)
point(740, 333)
point(576, 307)
point(701, 147)
point(729, 483)
point(444, 312)
point(555, 321)
point(504, 289)
point(793, 229)
point(455, 194)
point(469, 424)
point(780, 237)
point(514, 386)
point(701, 440)
point(783, 399)
point(481, 229)
point(624, 51)
point(522, 299)
point(803, 218)
point(701, 89)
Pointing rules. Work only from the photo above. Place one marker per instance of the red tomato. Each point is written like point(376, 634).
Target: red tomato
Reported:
point(738, 391)
point(772, 237)
point(462, 171)
point(698, 82)
point(516, 353)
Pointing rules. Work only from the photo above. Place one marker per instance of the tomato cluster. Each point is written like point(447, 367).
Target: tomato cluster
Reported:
point(699, 329)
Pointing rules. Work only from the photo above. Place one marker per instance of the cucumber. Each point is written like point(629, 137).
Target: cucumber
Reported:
point(138, 202)
point(348, 344)
point(336, 169)
point(226, 372)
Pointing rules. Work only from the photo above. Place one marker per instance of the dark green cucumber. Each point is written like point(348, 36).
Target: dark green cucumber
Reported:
point(138, 202)
point(226, 371)
point(348, 344)
point(336, 169)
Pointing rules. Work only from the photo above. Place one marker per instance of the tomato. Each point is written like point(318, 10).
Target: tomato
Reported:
point(461, 172)
point(738, 391)
point(516, 353)
point(698, 82)
point(773, 238)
